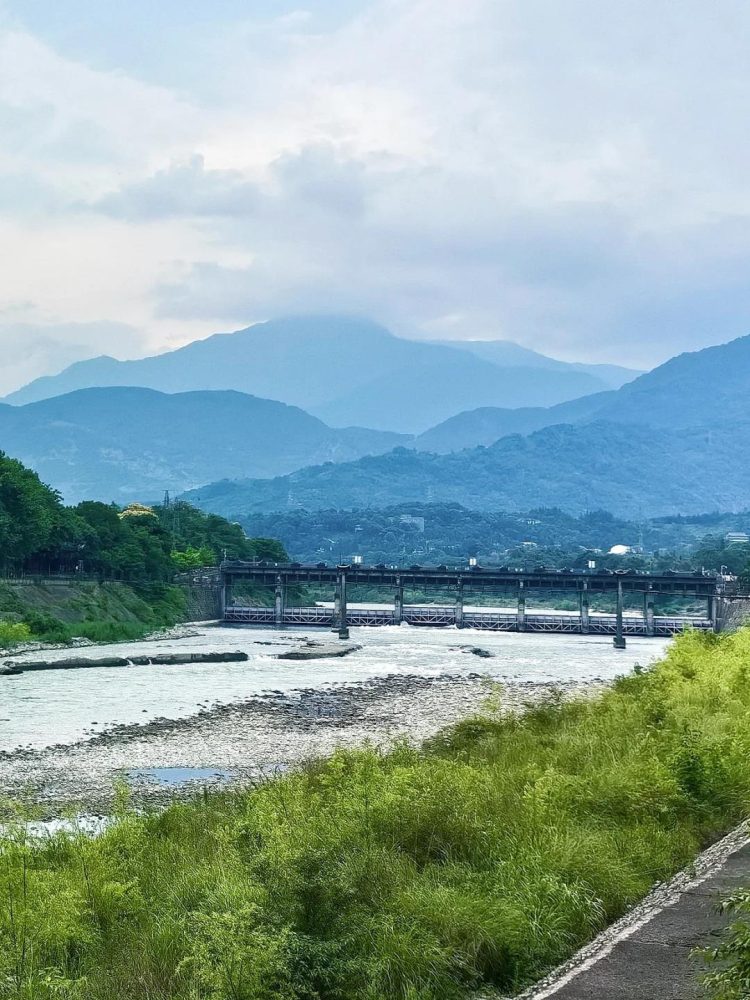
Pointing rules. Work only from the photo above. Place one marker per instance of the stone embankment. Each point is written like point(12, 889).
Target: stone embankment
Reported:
point(654, 950)
point(12, 668)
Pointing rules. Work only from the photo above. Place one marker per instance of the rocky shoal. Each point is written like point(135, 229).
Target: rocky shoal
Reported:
point(244, 741)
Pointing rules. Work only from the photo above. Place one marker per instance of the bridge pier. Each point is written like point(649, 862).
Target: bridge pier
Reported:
point(521, 613)
point(224, 596)
point(584, 606)
point(712, 613)
point(340, 622)
point(398, 604)
point(336, 605)
point(648, 612)
point(619, 639)
point(459, 607)
point(279, 601)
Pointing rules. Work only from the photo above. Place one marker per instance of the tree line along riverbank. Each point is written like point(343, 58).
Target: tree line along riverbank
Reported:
point(476, 861)
point(98, 571)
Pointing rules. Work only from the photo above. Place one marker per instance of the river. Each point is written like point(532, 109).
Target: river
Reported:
point(39, 710)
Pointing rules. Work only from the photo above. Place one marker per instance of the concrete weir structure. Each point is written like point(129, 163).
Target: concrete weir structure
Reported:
point(458, 583)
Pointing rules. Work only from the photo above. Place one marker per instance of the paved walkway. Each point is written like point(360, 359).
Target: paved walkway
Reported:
point(650, 957)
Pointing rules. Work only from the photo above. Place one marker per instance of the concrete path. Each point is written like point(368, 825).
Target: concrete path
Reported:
point(647, 955)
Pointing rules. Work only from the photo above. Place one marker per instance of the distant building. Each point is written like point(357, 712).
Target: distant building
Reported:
point(416, 522)
point(737, 538)
point(620, 550)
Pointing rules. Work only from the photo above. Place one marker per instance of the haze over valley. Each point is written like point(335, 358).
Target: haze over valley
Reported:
point(664, 442)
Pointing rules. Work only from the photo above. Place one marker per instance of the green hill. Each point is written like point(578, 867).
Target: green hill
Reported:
point(630, 470)
point(126, 444)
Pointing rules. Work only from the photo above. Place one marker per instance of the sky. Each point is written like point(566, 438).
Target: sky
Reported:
point(571, 176)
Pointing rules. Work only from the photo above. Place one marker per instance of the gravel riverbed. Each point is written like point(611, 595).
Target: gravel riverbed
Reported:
point(257, 737)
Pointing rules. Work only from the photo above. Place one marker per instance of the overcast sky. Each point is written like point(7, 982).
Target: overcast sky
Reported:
point(568, 174)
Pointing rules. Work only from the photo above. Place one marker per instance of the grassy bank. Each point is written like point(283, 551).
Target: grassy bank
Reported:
point(479, 860)
point(103, 612)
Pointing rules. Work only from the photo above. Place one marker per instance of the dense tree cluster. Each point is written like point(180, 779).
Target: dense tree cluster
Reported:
point(38, 534)
point(434, 533)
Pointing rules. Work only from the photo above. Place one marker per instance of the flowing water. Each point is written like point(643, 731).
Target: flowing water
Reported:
point(39, 709)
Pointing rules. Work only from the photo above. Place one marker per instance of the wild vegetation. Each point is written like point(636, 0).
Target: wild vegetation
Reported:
point(105, 611)
point(423, 873)
point(95, 543)
point(729, 961)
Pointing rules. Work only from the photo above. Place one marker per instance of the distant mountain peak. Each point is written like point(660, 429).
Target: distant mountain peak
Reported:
point(348, 370)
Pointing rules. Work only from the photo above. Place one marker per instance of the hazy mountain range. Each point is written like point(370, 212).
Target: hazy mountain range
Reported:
point(675, 440)
point(669, 441)
point(126, 444)
point(347, 372)
point(693, 389)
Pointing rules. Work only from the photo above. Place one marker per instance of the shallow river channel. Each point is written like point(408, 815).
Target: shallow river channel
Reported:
point(48, 708)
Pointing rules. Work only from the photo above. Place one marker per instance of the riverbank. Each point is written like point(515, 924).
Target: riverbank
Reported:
point(64, 611)
point(39, 710)
point(189, 630)
point(470, 865)
point(242, 742)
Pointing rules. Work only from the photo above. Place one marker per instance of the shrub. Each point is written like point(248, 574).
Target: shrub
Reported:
point(46, 626)
point(13, 633)
point(731, 980)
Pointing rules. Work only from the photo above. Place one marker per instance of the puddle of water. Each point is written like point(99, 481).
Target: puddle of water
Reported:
point(173, 776)
point(91, 826)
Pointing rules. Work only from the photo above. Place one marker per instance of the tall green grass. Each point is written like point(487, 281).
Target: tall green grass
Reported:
point(476, 861)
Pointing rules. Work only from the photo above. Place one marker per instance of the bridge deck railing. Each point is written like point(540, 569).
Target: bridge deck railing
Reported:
point(498, 621)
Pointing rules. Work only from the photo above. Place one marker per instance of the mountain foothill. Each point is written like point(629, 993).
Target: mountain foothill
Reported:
point(325, 412)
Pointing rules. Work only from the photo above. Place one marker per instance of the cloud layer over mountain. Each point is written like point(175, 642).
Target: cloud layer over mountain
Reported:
point(556, 174)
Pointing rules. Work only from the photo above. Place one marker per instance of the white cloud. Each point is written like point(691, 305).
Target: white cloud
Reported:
point(532, 170)
point(31, 348)
point(182, 190)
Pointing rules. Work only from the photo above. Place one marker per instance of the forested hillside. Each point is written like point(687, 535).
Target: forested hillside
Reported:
point(124, 444)
point(39, 534)
point(433, 533)
point(634, 471)
point(93, 542)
